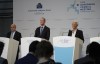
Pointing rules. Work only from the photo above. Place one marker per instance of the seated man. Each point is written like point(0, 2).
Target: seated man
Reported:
point(93, 55)
point(44, 51)
point(2, 60)
point(30, 57)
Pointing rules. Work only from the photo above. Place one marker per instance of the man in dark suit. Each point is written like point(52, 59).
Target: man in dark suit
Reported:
point(14, 35)
point(75, 32)
point(30, 58)
point(93, 55)
point(2, 60)
point(43, 31)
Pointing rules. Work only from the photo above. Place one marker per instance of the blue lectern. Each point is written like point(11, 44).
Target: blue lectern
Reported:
point(67, 49)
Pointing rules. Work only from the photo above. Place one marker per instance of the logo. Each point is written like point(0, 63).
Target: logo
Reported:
point(39, 6)
point(74, 7)
point(82, 6)
point(40, 9)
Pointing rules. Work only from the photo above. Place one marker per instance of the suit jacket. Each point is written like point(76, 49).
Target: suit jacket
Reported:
point(84, 60)
point(45, 33)
point(3, 61)
point(79, 34)
point(17, 36)
point(28, 59)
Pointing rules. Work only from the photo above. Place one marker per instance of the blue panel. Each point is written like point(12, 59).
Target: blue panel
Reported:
point(63, 55)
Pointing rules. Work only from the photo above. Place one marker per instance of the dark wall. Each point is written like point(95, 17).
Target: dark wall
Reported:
point(5, 26)
point(6, 16)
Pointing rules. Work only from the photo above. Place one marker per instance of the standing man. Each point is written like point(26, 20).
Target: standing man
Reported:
point(14, 35)
point(43, 31)
point(75, 32)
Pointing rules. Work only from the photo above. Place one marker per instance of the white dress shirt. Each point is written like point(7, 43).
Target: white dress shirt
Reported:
point(12, 34)
point(74, 33)
point(41, 29)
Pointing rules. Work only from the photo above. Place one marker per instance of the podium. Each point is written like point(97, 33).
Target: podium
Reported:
point(10, 49)
point(67, 49)
point(96, 39)
point(25, 42)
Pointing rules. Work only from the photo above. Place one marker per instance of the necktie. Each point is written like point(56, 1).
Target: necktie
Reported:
point(41, 30)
